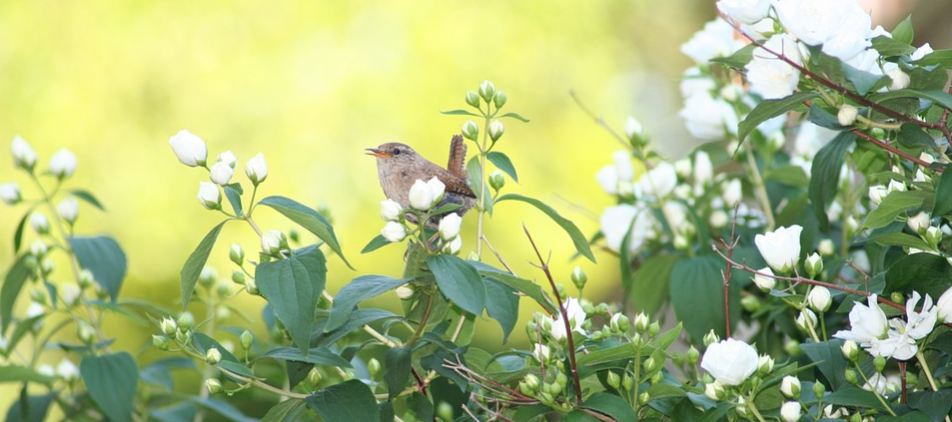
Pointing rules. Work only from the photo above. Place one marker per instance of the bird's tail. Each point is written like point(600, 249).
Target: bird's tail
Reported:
point(457, 162)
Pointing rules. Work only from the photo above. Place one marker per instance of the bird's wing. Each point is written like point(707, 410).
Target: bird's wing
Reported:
point(457, 161)
point(455, 183)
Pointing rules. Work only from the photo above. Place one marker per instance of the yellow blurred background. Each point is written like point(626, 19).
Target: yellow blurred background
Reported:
point(311, 84)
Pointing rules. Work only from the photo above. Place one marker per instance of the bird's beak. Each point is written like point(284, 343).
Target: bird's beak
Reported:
point(378, 153)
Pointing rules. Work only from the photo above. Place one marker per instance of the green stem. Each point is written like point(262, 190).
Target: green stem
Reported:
point(209, 331)
point(423, 320)
point(481, 210)
point(753, 409)
point(760, 189)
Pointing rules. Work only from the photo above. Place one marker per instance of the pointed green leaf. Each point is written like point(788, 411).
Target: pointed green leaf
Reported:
point(459, 281)
point(12, 284)
point(233, 193)
point(889, 47)
point(503, 163)
point(476, 181)
point(942, 58)
point(943, 195)
point(923, 272)
point(912, 136)
point(22, 374)
point(317, 355)
point(102, 256)
point(863, 81)
point(892, 205)
point(376, 243)
point(521, 285)
point(30, 408)
point(904, 32)
point(581, 243)
point(112, 381)
point(307, 218)
point(359, 289)
point(286, 411)
point(222, 408)
point(87, 197)
point(769, 109)
point(18, 235)
point(825, 174)
point(649, 288)
point(739, 58)
point(459, 113)
point(196, 262)
point(611, 405)
point(694, 283)
point(421, 406)
point(939, 97)
point(502, 305)
point(398, 367)
point(293, 287)
point(515, 116)
point(348, 401)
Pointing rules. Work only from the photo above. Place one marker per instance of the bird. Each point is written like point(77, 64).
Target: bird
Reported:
point(399, 166)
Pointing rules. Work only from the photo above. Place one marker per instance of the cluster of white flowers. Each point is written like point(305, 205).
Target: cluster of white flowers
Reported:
point(423, 197)
point(895, 338)
point(192, 151)
point(62, 166)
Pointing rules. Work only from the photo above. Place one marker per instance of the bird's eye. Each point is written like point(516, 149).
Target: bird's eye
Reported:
point(396, 151)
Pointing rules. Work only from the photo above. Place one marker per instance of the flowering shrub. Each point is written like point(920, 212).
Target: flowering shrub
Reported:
point(803, 248)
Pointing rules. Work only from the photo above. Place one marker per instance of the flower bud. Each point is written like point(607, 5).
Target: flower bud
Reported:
point(207, 276)
point(256, 169)
point(819, 298)
point(314, 376)
point(238, 277)
point(850, 376)
point(183, 336)
point(847, 115)
point(496, 129)
point(751, 303)
point(272, 242)
point(633, 129)
point(23, 155)
point(532, 382)
point(613, 380)
point(393, 232)
point(251, 287)
point(38, 295)
point(209, 195)
point(373, 366)
point(790, 387)
point(541, 352)
point(500, 99)
point(221, 173)
point(765, 280)
point(85, 333)
point(472, 99)
point(236, 254)
point(420, 196)
point(246, 339)
point(228, 158)
point(793, 348)
point(818, 389)
point(715, 391)
point(449, 226)
point(224, 290)
point(213, 385)
point(186, 320)
point(454, 246)
point(160, 342)
point(63, 164)
point(470, 130)
point(790, 411)
point(38, 248)
point(68, 210)
point(86, 279)
point(404, 292)
point(919, 222)
point(487, 90)
point(497, 180)
point(933, 235)
point(168, 326)
point(650, 364)
point(579, 277)
point(765, 364)
point(390, 210)
point(40, 223)
point(653, 329)
point(711, 338)
point(850, 350)
point(644, 398)
point(693, 355)
point(213, 356)
point(10, 193)
point(900, 79)
point(47, 265)
point(189, 149)
point(813, 264)
point(879, 362)
point(806, 320)
point(627, 381)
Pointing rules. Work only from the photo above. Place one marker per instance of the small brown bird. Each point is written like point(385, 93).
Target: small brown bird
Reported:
point(399, 166)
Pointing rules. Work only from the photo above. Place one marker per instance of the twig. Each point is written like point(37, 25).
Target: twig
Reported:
point(544, 266)
point(601, 120)
point(727, 273)
point(499, 257)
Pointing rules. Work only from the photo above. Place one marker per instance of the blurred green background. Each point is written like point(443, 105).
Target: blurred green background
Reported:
point(311, 84)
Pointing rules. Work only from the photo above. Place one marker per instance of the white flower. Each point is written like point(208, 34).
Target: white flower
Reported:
point(919, 221)
point(764, 282)
point(826, 247)
point(46, 369)
point(920, 324)
point(228, 158)
point(633, 128)
point(404, 292)
point(576, 316)
point(189, 149)
point(68, 209)
point(877, 382)
point(421, 197)
point(816, 21)
point(790, 386)
point(745, 11)
point(896, 186)
point(209, 195)
point(221, 173)
point(693, 81)
point(541, 352)
point(63, 163)
point(790, 411)
point(897, 344)
point(769, 76)
point(781, 247)
point(496, 129)
point(944, 307)
point(659, 181)
point(683, 167)
point(70, 293)
point(733, 192)
point(453, 246)
point(33, 311)
point(38, 248)
point(703, 169)
point(708, 118)
point(23, 154)
point(851, 37)
point(611, 177)
point(393, 231)
point(806, 320)
point(272, 241)
point(715, 40)
point(877, 193)
point(847, 115)
point(867, 322)
point(616, 221)
point(760, 30)
point(437, 188)
point(449, 226)
point(10, 193)
point(730, 361)
point(811, 139)
point(719, 219)
point(820, 298)
point(676, 214)
point(39, 222)
point(900, 79)
point(390, 210)
point(256, 169)
point(67, 370)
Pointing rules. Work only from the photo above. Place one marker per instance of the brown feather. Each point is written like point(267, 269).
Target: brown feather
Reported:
point(457, 161)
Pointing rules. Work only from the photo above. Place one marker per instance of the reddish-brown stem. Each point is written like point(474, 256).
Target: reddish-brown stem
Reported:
point(902, 380)
point(420, 381)
point(544, 266)
point(727, 275)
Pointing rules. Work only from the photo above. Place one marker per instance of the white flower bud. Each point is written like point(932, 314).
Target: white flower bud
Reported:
point(189, 149)
point(850, 350)
point(393, 231)
point(470, 130)
point(733, 192)
point(213, 385)
point(70, 293)
point(541, 352)
point(710, 338)
point(579, 278)
point(209, 195)
point(10, 193)
point(449, 226)
point(921, 177)
point(715, 391)
point(496, 129)
point(790, 387)
point(168, 326)
point(919, 222)
point(487, 90)
point(40, 223)
point(847, 115)
point(390, 210)
point(820, 298)
point(472, 99)
point(719, 219)
point(437, 188)
point(813, 264)
point(256, 169)
point(38, 248)
point(23, 154)
point(421, 197)
point(500, 99)
point(806, 320)
point(454, 246)
point(926, 157)
point(67, 370)
point(790, 411)
point(703, 169)
point(826, 247)
point(877, 193)
point(63, 163)
point(765, 282)
point(404, 292)
point(765, 364)
point(272, 242)
point(221, 173)
point(895, 186)
point(497, 180)
point(228, 158)
point(933, 235)
point(633, 128)
point(236, 254)
point(68, 209)
point(900, 79)
point(213, 356)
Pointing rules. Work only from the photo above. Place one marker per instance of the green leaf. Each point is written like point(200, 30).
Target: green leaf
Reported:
point(531, 413)
point(293, 287)
point(18, 234)
point(307, 218)
point(398, 368)
point(285, 411)
point(901, 239)
point(521, 285)
point(829, 360)
point(903, 31)
point(348, 401)
point(437, 361)
point(943, 195)
point(196, 262)
point(385, 411)
point(923, 272)
point(316, 355)
point(17, 373)
point(476, 181)
point(228, 361)
point(358, 318)
point(942, 58)
point(788, 175)
point(222, 408)
point(112, 381)
point(459, 113)
point(376, 243)
point(853, 396)
point(912, 136)
point(894, 204)
point(515, 116)
point(421, 406)
point(503, 163)
point(579, 415)
point(160, 372)
point(825, 174)
point(581, 243)
point(769, 109)
point(739, 59)
point(233, 193)
point(611, 405)
point(30, 408)
point(102, 256)
point(936, 404)
point(12, 284)
point(649, 287)
point(181, 411)
point(889, 47)
point(863, 81)
point(359, 289)
point(941, 98)
point(695, 283)
point(502, 305)
point(459, 281)
point(87, 197)
point(823, 118)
